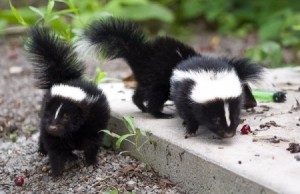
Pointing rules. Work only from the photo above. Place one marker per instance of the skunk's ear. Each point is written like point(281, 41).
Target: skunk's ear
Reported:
point(247, 71)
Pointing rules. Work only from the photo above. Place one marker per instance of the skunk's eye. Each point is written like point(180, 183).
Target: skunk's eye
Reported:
point(66, 117)
point(216, 120)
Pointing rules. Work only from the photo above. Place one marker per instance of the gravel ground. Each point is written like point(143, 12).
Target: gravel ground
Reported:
point(19, 120)
point(112, 171)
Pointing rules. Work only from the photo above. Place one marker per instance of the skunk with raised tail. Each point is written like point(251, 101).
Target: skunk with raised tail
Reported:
point(210, 92)
point(206, 91)
point(152, 62)
point(73, 110)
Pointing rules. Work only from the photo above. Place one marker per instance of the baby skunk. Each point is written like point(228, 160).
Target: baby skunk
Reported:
point(151, 61)
point(206, 91)
point(73, 110)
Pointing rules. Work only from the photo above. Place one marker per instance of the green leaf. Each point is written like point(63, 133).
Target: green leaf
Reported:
point(115, 191)
point(296, 27)
point(71, 5)
point(132, 2)
point(13, 137)
point(129, 124)
point(268, 52)
point(2, 26)
point(111, 133)
point(270, 30)
point(37, 11)
point(64, 11)
point(54, 17)
point(121, 139)
point(50, 6)
point(137, 136)
point(99, 76)
point(142, 12)
point(17, 15)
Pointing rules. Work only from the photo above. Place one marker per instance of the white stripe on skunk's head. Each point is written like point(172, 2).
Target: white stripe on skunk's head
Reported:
point(72, 93)
point(211, 85)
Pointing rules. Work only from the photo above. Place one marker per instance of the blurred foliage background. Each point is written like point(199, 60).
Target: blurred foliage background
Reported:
point(276, 23)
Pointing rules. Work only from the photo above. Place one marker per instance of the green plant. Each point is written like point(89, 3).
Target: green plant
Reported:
point(267, 52)
point(275, 21)
point(132, 137)
point(76, 14)
point(47, 15)
point(100, 76)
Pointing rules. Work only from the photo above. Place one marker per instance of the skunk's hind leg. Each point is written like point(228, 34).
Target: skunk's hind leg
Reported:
point(156, 100)
point(139, 98)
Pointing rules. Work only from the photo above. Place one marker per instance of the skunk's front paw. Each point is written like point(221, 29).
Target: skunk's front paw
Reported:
point(91, 161)
point(42, 152)
point(72, 157)
point(187, 135)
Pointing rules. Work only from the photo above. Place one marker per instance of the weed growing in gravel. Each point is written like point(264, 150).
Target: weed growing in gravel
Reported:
point(133, 137)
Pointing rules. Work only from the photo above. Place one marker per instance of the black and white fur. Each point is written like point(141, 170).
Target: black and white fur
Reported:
point(209, 91)
point(197, 82)
point(151, 61)
point(73, 110)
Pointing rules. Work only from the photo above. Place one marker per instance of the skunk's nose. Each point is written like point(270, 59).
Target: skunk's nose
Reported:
point(229, 134)
point(52, 128)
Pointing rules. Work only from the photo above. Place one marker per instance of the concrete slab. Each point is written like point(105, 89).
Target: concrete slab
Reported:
point(206, 164)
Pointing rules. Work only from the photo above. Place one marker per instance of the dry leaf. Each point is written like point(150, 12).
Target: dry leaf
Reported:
point(165, 183)
point(130, 82)
point(128, 168)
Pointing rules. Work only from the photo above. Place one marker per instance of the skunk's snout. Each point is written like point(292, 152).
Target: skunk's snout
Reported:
point(229, 134)
point(54, 130)
point(226, 134)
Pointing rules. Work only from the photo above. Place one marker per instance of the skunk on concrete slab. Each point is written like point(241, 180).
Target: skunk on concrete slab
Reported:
point(209, 91)
point(206, 91)
point(152, 62)
point(74, 110)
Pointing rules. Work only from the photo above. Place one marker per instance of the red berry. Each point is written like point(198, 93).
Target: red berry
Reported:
point(245, 129)
point(19, 181)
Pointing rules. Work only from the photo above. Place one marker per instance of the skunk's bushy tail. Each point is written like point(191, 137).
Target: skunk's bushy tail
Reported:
point(53, 59)
point(115, 38)
point(247, 71)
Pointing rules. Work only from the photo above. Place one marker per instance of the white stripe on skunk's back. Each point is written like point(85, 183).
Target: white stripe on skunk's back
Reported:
point(210, 85)
point(69, 92)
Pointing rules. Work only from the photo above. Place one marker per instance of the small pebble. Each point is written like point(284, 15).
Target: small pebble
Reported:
point(45, 178)
point(130, 185)
point(44, 169)
point(297, 157)
point(15, 70)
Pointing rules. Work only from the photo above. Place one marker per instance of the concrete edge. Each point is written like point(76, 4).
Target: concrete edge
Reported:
point(192, 173)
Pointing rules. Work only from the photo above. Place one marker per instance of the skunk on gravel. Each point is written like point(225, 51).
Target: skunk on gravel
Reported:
point(206, 91)
point(73, 110)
